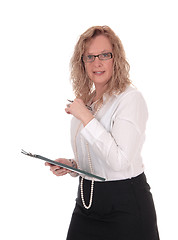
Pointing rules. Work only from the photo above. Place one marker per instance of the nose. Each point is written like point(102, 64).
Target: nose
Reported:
point(97, 62)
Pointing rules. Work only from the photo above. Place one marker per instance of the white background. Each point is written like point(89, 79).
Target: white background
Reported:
point(37, 39)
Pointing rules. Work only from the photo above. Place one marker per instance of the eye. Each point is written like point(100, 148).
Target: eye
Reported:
point(105, 55)
point(90, 57)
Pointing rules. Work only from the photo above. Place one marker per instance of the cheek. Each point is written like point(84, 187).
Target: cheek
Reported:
point(88, 70)
point(110, 69)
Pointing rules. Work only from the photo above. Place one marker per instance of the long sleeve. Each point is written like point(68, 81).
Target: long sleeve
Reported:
point(120, 146)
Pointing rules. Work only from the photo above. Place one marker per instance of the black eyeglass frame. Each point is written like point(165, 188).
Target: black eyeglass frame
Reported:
point(98, 56)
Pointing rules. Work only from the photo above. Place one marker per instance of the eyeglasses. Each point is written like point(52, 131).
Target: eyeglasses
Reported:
point(102, 56)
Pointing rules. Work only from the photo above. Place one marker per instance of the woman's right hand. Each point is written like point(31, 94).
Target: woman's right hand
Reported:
point(57, 170)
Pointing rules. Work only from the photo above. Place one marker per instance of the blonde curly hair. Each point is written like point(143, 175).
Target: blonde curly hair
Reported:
point(82, 86)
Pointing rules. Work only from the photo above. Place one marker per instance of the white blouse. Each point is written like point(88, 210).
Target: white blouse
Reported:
point(115, 137)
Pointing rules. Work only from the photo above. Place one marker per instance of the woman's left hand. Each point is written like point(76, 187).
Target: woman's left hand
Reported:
point(78, 109)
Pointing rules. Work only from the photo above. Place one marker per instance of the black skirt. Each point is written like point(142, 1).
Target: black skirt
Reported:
point(121, 210)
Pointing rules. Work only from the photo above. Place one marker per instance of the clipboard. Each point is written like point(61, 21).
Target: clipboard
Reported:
point(79, 171)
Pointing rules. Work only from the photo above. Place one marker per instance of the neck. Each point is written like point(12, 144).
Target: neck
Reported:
point(99, 92)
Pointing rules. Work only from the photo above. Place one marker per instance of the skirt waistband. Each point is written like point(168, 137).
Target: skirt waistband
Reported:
point(135, 180)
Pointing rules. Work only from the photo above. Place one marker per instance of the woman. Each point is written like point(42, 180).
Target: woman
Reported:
point(107, 141)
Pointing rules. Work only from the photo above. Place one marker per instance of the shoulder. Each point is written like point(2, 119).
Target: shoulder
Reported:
point(131, 107)
point(131, 101)
point(131, 96)
point(129, 92)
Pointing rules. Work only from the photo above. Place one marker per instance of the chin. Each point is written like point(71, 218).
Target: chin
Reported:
point(100, 83)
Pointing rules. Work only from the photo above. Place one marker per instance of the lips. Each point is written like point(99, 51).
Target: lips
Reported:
point(98, 72)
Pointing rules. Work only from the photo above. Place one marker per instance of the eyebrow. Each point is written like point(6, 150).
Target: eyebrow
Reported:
point(104, 51)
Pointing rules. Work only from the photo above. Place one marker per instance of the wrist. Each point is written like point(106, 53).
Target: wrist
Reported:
point(73, 163)
point(87, 118)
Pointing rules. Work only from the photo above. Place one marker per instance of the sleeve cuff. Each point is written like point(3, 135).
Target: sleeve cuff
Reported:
point(92, 131)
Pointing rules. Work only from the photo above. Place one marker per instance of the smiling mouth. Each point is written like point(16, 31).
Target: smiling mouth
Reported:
point(99, 72)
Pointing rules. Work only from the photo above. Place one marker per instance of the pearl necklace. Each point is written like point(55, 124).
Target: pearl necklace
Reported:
point(90, 164)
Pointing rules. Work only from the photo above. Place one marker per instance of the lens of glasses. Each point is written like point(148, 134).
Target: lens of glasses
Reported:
point(102, 56)
point(105, 56)
point(89, 58)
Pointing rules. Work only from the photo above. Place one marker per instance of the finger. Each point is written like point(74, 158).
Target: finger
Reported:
point(60, 172)
point(57, 172)
point(48, 164)
point(54, 168)
point(67, 110)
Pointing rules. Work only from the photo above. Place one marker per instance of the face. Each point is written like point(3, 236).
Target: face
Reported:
point(99, 71)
